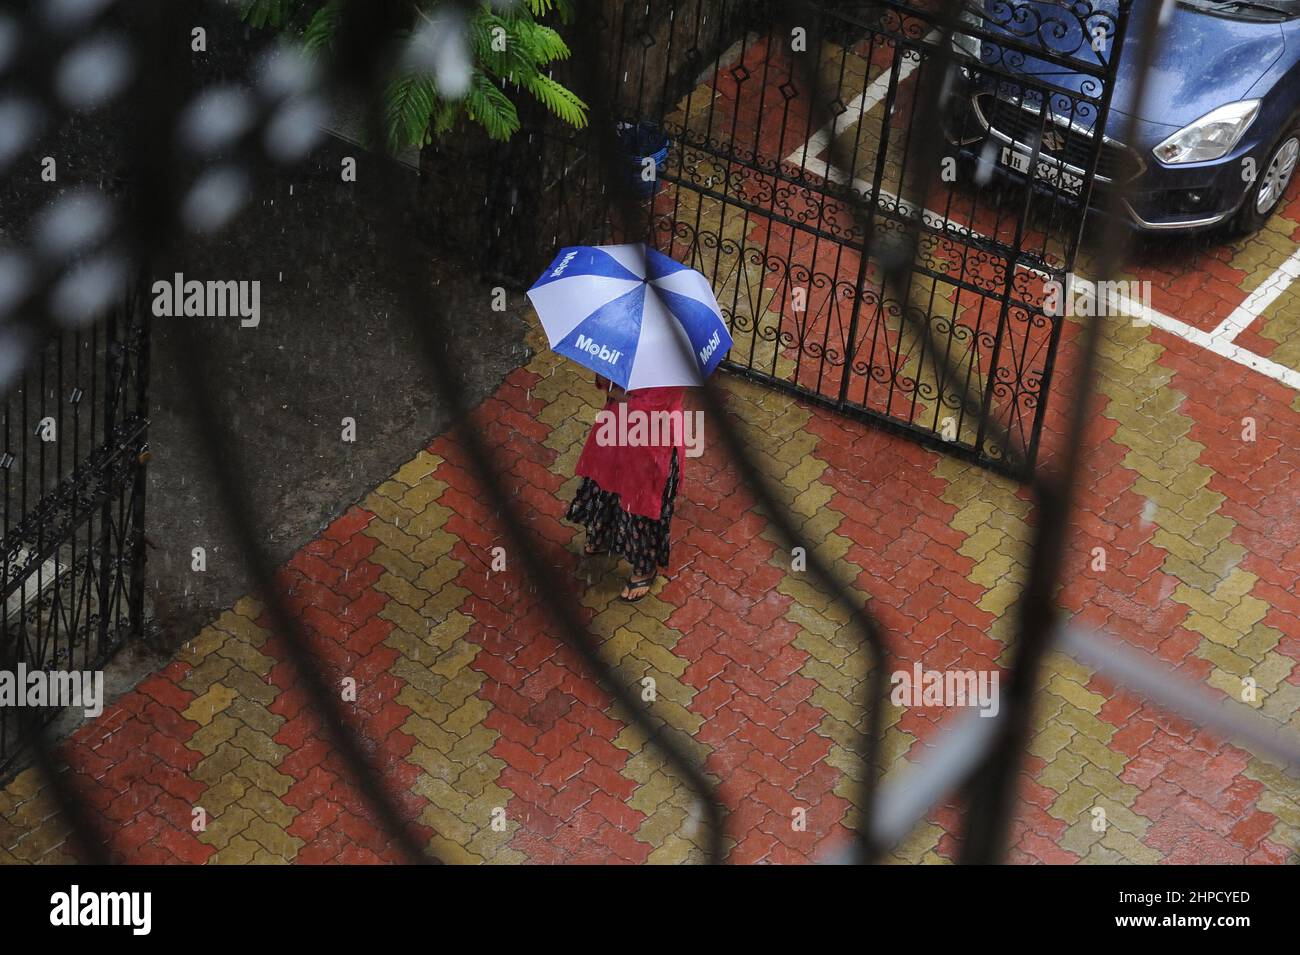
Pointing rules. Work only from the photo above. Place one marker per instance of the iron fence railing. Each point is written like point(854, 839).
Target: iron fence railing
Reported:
point(72, 471)
point(630, 62)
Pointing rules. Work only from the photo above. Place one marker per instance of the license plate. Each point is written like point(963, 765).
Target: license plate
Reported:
point(1067, 182)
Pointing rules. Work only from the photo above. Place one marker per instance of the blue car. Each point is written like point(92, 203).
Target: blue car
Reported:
point(1217, 135)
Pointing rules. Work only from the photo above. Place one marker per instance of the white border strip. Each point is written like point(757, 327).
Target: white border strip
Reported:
point(1269, 291)
point(862, 104)
point(1215, 342)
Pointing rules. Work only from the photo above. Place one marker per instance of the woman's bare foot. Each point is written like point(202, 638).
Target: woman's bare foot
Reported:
point(637, 587)
point(591, 550)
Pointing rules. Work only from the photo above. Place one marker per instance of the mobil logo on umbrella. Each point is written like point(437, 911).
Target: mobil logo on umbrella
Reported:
point(631, 314)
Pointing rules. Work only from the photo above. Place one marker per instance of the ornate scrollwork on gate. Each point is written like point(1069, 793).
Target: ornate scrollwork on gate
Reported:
point(1065, 28)
point(771, 207)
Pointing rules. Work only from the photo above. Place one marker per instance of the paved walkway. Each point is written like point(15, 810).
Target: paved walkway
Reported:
point(472, 705)
point(478, 713)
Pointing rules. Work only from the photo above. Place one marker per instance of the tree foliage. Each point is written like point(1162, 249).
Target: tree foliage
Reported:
point(509, 48)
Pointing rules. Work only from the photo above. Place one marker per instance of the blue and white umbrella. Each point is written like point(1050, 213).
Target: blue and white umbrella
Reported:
point(631, 314)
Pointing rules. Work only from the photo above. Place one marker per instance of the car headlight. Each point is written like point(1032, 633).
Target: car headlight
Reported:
point(1210, 137)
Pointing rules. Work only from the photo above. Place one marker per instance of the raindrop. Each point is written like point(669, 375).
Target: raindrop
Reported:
point(216, 118)
point(294, 129)
point(15, 279)
point(73, 224)
point(286, 72)
point(69, 14)
point(93, 73)
point(987, 163)
point(214, 199)
point(8, 40)
point(19, 120)
point(441, 46)
point(15, 343)
point(87, 290)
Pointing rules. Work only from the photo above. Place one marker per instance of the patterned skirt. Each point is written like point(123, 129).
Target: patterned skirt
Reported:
point(642, 541)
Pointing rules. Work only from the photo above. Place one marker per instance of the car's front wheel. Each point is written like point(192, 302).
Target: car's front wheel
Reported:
point(1270, 184)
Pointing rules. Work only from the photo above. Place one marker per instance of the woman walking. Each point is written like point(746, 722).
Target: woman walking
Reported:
point(628, 488)
point(652, 325)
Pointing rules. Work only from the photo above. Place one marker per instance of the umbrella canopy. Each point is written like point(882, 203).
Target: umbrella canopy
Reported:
point(631, 314)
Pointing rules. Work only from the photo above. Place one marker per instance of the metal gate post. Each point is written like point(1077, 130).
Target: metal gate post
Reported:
point(139, 306)
point(869, 229)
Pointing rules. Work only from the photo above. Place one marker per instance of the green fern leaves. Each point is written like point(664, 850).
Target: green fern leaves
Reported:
point(489, 106)
point(323, 27)
point(508, 48)
point(560, 100)
point(409, 102)
point(267, 13)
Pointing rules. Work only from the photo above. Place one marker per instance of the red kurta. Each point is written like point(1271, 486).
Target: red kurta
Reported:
point(637, 474)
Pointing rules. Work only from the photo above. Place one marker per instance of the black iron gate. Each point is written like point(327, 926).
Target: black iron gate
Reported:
point(769, 205)
point(72, 465)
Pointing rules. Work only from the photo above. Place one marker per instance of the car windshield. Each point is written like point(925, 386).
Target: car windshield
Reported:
point(1247, 9)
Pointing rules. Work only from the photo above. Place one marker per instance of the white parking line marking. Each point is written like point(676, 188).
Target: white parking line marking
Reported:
point(1220, 341)
point(862, 104)
point(1269, 291)
point(1221, 346)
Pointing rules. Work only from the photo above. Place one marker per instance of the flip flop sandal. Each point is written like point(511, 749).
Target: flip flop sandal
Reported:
point(637, 583)
point(587, 549)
